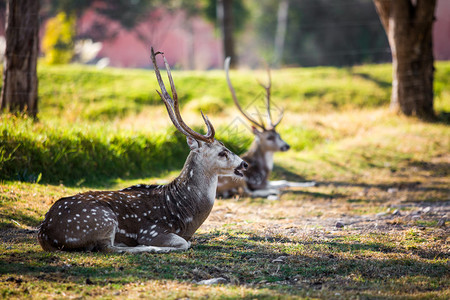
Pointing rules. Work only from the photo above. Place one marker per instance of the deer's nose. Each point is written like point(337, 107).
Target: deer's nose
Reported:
point(243, 165)
point(285, 147)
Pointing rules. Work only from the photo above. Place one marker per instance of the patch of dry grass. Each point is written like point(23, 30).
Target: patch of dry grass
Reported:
point(383, 178)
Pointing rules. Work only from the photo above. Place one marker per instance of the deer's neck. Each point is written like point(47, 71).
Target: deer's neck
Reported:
point(197, 180)
point(192, 194)
point(261, 155)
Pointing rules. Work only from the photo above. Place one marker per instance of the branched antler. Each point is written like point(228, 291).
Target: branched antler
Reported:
point(233, 95)
point(173, 108)
point(267, 87)
point(268, 92)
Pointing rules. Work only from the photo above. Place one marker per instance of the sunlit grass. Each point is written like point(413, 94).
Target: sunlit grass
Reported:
point(108, 130)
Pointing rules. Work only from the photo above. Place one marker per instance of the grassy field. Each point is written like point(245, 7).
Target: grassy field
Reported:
point(373, 227)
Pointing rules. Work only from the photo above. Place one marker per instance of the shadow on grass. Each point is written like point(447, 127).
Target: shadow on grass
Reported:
point(242, 258)
point(381, 83)
point(317, 194)
point(280, 172)
point(9, 219)
point(437, 169)
point(443, 118)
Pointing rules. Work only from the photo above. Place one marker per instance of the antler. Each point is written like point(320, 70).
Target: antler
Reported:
point(233, 94)
point(173, 107)
point(267, 88)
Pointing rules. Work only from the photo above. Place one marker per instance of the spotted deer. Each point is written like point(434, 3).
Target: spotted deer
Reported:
point(255, 182)
point(146, 218)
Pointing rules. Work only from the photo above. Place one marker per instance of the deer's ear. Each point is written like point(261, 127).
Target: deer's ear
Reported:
point(255, 130)
point(193, 143)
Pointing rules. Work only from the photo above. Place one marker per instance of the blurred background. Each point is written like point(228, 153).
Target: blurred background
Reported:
point(193, 34)
point(92, 114)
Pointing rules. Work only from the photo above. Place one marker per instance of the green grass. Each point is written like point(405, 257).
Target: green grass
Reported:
point(84, 153)
point(82, 92)
point(108, 130)
point(111, 93)
point(80, 136)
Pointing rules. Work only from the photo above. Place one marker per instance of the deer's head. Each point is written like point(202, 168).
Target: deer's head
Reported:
point(267, 136)
point(270, 140)
point(209, 152)
point(217, 157)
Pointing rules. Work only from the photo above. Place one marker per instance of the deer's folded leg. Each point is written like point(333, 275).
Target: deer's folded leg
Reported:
point(171, 240)
point(264, 193)
point(163, 243)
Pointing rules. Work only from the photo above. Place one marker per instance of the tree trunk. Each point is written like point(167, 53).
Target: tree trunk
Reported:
point(409, 29)
point(225, 15)
point(282, 20)
point(19, 92)
point(190, 44)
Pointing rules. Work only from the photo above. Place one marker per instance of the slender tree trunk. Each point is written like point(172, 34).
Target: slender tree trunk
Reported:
point(190, 44)
point(19, 92)
point(225, 16)
point(282, 20)
point(409, 29)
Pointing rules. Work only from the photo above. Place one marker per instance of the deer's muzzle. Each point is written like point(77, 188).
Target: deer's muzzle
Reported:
point(241, 168)
point(285, 148)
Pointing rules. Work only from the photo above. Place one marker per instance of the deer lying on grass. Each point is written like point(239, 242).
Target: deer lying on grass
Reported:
point(146, 218)
point(260, 155)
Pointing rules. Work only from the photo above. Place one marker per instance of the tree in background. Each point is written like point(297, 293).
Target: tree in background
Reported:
point(58, 42)
point(320, 32)
point(408, 25)
point(230, 16)
point(280, 36)
point(20, 86)
point(225, 19)
point(127, 13)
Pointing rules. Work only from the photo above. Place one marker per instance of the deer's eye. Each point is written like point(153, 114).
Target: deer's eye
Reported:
point(223, 154)
point(271, 138)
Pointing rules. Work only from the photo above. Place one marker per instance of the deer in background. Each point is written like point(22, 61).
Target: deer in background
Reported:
point(260, 155)
point(146, 218)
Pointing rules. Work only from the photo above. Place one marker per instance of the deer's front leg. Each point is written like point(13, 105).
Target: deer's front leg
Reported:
point(156, 237)
point(163, 243)
point(278, 184)
point(262, 193)
point(171, 240)
point(290, 184)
